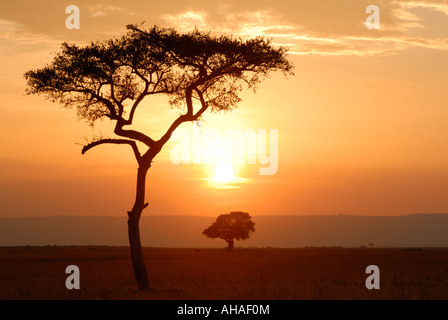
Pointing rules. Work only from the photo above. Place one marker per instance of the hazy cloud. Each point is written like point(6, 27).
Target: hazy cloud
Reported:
point(14, 32)
point(187, 20)
point(438, 6)
point(99, 10)
point(308, 30)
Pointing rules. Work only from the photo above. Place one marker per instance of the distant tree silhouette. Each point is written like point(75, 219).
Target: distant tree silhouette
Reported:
point(109, 80)
point(229, 227)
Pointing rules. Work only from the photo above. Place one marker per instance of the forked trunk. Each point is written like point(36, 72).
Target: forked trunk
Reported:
point(141, 274)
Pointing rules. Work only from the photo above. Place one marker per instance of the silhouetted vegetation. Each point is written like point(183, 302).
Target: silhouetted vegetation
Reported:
point(109, 80)
point(229, 227)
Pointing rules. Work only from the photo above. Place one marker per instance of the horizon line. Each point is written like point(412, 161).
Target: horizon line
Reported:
point(214, 216)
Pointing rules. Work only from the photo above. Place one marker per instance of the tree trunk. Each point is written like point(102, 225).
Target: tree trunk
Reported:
point(230, 244)
point(141, 274)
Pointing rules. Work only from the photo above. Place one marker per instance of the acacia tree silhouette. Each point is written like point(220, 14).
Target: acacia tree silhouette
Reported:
point(229, 227)
point(110, 79)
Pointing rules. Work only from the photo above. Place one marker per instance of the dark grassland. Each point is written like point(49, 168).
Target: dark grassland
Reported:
point(244, 274)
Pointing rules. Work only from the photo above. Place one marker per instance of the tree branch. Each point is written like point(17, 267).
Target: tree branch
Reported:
point(189, 116)
point(137, 102)
point(203, 104)
point(132, 134)
point(133, 144)
point(114, 99)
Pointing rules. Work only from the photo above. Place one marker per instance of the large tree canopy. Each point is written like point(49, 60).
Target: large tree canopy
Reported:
point(197, 71)
point(109, 79)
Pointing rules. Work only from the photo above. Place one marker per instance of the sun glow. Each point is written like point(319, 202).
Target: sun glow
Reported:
point(224, 173)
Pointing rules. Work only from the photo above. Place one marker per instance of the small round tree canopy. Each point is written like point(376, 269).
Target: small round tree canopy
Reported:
point(233, 226)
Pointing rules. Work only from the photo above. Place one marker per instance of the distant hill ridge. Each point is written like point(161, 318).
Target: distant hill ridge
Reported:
point(415, 230)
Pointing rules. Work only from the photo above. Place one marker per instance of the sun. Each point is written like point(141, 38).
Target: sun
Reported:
point(224, 173)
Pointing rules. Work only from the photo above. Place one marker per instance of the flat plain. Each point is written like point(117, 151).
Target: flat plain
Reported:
point(38, 273)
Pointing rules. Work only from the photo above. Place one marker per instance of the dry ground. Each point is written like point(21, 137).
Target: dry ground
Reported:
point(246, 274)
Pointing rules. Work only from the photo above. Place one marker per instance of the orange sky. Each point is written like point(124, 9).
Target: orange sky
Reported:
point(361, 125)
